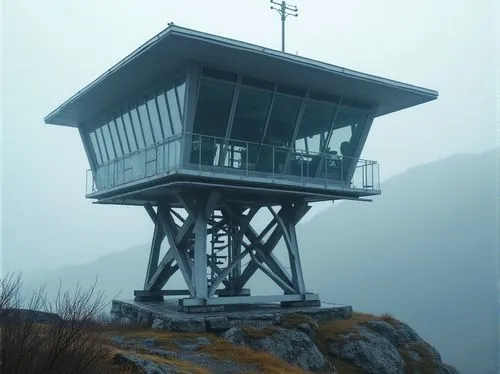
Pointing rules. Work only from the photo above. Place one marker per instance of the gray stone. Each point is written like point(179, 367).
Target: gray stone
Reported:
point(123, 321)
point(164, 353)
point(116, 308)
point(234, 335)
point(118, 339)
point(370, 352)
point(149, 342)
point(158, 324)
point(192, 344)
point(187, 324)
point(144, 318)
point(129, 311)
point(385, 329)
point(257, 323)
point(142, 365)
point(217, 323)
point(292, 346)
point(306, 329)
point(264, 317)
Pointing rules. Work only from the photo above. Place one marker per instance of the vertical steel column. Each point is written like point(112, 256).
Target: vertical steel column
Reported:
point(204, 207)
point(200, 254)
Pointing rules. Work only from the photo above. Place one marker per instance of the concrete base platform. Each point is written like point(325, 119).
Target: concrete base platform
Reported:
point(166, 315)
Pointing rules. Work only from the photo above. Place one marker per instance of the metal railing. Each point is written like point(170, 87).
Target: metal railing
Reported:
point(226, 158)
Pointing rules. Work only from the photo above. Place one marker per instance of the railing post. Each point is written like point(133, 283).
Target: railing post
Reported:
point(373, 182)
point(342, 169)
point(273, 163)
point(302, 169)
point(246, 162)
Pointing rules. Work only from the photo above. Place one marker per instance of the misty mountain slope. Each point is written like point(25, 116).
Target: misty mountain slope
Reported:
point(426, 251)
point(116, 273)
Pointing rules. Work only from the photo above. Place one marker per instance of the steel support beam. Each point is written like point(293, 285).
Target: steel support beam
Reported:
point(188, 250)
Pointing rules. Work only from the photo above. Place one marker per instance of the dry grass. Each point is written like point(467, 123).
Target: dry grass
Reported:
point(297, 319)
point(425, 365)
point(333, 329)
point(267, 363)
point(161, 338)
point(386, 317)
point(255, 333)
point(183, 366)
point(344, 367)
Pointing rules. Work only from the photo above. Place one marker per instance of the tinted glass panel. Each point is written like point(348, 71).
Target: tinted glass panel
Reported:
point(181, 92)
point(155, 120)
point(248, 81)
point(347, 130)
point(164, 115)
point(129, 131)
point(251, 114)
point(214, 103)
point(137, 128)
point(316, 123)
point(146, 127)
point(108, 141)
point(175, 114)
point(100, 141)
point(122, 134)
point(116, 139)
point(283, 120)
point(95, 147)
point(219, 74)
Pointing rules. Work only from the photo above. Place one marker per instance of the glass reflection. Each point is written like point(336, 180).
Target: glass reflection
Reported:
point(122, 135)
point(100, 141)
point(108, 142)
point(146, 126)
point(164, 115)
point(136, 125)
point(214, 104)
point(129, 131)
point(95, 147)
point(181, 92)
point(115, 138)
point(155, 119)
point(175, 115)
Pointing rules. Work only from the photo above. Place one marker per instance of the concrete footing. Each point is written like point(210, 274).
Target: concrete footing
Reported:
point(166, 315)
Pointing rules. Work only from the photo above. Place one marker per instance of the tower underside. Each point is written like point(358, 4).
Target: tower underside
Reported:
point(212, 243)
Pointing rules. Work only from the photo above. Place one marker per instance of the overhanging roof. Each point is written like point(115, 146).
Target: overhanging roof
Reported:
point(176, 46)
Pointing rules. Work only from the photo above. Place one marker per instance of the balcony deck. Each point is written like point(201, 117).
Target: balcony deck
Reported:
point(181, 163)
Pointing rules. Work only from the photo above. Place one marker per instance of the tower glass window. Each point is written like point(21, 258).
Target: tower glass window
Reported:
point(175, 113)
point(164, 115)
point(115, 138)
point(122, 134)
point(136, 125)
point(146, 126)
point(214, 104)
point(155, 119)
point(108, 142)
point(95, 147)
point(129, 131)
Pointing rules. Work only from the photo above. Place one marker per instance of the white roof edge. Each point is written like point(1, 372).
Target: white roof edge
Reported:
point(182, 31)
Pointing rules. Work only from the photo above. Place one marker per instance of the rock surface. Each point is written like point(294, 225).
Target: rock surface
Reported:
point(292, 346)
point(325, 342)
point(370, 352)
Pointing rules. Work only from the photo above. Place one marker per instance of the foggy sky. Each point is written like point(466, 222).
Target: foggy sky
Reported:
point(52, 48)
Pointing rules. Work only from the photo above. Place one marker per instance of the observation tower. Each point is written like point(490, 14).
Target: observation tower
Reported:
point(204, 132)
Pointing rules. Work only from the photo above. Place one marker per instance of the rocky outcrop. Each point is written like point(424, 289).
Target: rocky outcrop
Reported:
point(291, 346)
point(379, 347)
point(327, 341)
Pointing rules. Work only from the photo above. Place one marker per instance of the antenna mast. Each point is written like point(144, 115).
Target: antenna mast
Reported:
point(284, 11)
